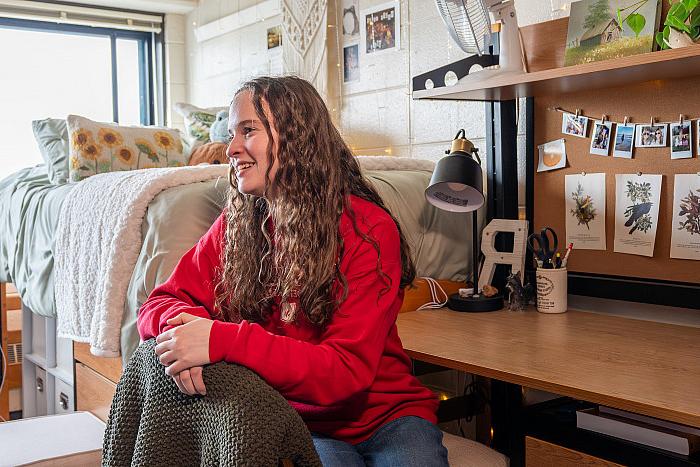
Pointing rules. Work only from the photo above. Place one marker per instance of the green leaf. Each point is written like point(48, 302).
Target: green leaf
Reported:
point(636, 22)
point(695, 17)
point(675, 23)
point(153, 157)
point(619, 17)
point(660, 40)
point(690, 5)
point(677, 11)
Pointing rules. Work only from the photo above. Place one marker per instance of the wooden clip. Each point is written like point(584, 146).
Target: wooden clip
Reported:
point(583, 174)
point(651, 121)
point(578, 112)
point(627, 119)
point(680, 119)
point(603, 118)
point(639, 174)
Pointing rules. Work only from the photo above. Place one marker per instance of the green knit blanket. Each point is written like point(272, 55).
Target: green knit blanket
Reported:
point(241, 421)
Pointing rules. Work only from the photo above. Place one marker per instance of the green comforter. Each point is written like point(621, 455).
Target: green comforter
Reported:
point(29, 208)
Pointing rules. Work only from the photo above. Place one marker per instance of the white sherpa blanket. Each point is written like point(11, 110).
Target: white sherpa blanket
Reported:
point(394, 163)
point(98, 240)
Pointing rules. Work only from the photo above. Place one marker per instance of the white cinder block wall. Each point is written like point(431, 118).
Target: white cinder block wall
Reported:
point(377, 114)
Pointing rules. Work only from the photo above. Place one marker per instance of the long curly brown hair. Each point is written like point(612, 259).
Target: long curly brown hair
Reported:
point(317, 173)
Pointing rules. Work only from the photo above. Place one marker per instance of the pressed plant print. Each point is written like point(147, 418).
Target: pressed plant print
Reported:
point(690, 208)
point(637, 214)
point(584, 210)
point(637, 201)
point(685, 234)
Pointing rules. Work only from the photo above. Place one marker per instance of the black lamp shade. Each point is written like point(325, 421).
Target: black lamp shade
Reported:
point(456, 184)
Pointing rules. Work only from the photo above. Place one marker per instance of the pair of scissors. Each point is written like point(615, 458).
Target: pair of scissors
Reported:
point(543, 248)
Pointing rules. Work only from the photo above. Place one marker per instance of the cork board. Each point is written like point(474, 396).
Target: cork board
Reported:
point(664, 100)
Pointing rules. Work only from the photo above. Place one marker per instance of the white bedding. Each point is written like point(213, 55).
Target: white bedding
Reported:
point(98, 240)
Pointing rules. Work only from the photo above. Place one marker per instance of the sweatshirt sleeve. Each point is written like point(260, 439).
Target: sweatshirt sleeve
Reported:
point(344, 362)
point(190, 287)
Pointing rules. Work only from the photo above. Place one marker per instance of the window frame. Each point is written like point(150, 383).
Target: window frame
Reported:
point(147, 43)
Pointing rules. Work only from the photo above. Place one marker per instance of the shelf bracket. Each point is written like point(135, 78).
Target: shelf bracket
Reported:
point(460, 68)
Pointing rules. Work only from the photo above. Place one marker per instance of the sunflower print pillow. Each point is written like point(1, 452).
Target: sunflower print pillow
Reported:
point(106, 147)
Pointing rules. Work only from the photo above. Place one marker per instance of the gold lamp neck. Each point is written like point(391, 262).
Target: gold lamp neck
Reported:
point(461, 144)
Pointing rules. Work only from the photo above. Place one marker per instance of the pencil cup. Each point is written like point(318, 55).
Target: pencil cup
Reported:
point(551, 290)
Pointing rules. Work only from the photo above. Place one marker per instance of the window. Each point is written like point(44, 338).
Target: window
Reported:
point(52, 70)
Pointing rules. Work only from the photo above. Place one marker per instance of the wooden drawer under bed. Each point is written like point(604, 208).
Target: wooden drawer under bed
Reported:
point(95, 380)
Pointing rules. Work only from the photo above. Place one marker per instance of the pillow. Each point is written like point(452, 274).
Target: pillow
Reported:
point(198, 121)
point(209, 153)
point(51, 135)
point(107, 147)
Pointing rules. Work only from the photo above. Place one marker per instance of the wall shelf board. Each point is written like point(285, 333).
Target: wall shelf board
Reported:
point(661, 65)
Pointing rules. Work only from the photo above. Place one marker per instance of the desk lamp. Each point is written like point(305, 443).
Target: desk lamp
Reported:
point(457, 186)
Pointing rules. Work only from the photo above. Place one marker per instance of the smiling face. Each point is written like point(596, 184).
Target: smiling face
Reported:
point(247, 151)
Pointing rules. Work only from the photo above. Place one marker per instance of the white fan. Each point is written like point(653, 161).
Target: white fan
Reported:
point(469, 24)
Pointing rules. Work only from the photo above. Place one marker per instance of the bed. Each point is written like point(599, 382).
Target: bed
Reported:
point(31, 210)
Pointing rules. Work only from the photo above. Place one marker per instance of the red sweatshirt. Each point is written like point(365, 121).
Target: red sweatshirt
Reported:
point(345, 381)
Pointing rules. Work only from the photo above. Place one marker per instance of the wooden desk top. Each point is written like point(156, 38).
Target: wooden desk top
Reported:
point(640, 366)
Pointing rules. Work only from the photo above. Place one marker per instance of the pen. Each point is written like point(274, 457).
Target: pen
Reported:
point(566, 256)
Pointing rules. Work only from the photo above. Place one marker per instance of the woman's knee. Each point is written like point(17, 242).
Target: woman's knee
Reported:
point(336, 453)
point(406, 441)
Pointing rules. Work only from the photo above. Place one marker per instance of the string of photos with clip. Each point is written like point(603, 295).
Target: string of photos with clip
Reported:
point(629, 135)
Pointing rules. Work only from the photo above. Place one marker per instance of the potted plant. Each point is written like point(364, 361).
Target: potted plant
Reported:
point(682, 25)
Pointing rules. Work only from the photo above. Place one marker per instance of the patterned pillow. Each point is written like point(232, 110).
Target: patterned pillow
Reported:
point(106, 147)
point(198, 121)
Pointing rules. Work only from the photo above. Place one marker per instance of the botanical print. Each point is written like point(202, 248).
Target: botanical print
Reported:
point(685, 234)
point(690, 208)
point(585, 211)
point(636, 213)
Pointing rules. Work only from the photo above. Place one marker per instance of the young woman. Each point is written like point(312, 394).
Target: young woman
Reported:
point(301, 279)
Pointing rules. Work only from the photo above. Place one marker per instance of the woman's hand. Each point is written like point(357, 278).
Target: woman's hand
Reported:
point(190, 381)
point(186, 345)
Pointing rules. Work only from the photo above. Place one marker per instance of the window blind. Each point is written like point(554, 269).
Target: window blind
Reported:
point(78, 15)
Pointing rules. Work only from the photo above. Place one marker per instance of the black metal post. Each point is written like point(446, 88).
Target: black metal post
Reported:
point(502, 197)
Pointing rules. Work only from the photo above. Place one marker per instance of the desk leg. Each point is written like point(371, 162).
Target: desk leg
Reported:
point(506, 421)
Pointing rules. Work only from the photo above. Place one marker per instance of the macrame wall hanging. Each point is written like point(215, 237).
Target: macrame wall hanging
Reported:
point(304, 51)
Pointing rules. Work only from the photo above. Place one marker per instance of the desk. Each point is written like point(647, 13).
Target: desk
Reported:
point(640, 366)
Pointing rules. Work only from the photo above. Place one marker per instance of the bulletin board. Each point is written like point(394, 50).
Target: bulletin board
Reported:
point(663, 100)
